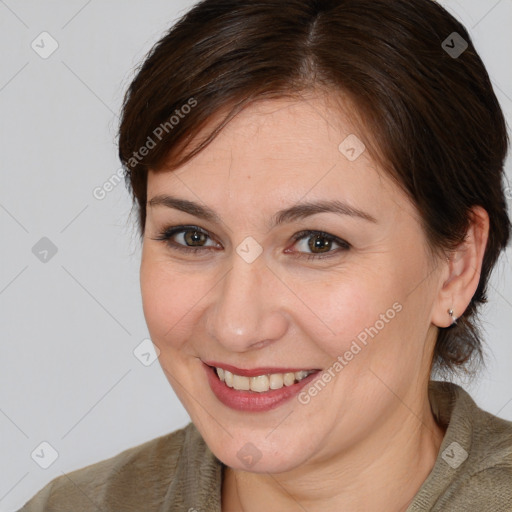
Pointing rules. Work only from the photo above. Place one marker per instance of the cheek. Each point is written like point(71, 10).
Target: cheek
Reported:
point(170, 300)
point(344, 306)
point(359, 315)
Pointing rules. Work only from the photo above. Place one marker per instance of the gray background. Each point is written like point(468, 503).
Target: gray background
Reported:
point(70, 321)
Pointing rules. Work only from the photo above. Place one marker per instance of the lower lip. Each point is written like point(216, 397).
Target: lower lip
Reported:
point(251, 400)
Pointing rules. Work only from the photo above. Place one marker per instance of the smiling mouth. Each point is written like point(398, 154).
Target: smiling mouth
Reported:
point(260, 383)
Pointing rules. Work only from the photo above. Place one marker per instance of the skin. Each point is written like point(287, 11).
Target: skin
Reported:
point(368, 440)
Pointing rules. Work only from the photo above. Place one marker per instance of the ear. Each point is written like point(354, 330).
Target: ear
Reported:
point(461, 275)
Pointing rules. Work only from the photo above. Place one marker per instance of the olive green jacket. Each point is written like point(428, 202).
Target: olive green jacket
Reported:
point(178, 473)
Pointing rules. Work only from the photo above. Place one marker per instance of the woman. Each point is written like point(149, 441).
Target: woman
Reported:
point(320, 195)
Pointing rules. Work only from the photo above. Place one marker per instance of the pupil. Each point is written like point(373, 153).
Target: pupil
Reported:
point(320, 242)
point(193, 237)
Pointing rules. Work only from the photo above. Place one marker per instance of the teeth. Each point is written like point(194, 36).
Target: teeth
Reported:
point(241, 383)
point(228, 378)
point(276, 381)
point(261, 383)
point(289, 379)
point(300, 375)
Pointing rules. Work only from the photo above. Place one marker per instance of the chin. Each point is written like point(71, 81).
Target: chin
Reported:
point(249, 451)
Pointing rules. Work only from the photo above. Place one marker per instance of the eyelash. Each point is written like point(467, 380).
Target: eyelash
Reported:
point(168, 233)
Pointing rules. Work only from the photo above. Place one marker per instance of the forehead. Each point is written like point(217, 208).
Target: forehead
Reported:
point(279, 129)
point(277, 151)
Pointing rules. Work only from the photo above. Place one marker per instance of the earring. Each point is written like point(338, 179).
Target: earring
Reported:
point(454, 318)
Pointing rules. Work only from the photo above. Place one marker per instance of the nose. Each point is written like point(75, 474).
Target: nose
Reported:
point(246, 311)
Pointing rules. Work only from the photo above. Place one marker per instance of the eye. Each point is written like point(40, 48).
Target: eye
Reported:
point(193, 239)
point(319, 243)
point(185, 238)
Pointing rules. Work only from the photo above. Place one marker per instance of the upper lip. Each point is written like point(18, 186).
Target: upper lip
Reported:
point(254, 372)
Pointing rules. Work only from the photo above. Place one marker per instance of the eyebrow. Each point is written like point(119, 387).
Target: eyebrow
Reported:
point(295, 212)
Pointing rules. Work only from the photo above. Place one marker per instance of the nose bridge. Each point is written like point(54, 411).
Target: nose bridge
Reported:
point(244, 313)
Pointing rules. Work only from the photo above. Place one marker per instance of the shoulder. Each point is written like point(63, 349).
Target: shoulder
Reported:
point(490, 474)
point(494, 436)
point(484, 481)
point(136, 479)
point(486, 438)
point(489, 437)
point(473, 470)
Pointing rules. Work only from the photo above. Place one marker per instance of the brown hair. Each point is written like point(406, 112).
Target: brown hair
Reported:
point(432, 118)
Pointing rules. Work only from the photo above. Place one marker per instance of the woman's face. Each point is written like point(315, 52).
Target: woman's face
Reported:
point(355, 302)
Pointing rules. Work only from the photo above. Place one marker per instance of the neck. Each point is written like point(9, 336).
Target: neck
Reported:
point(382, 473)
